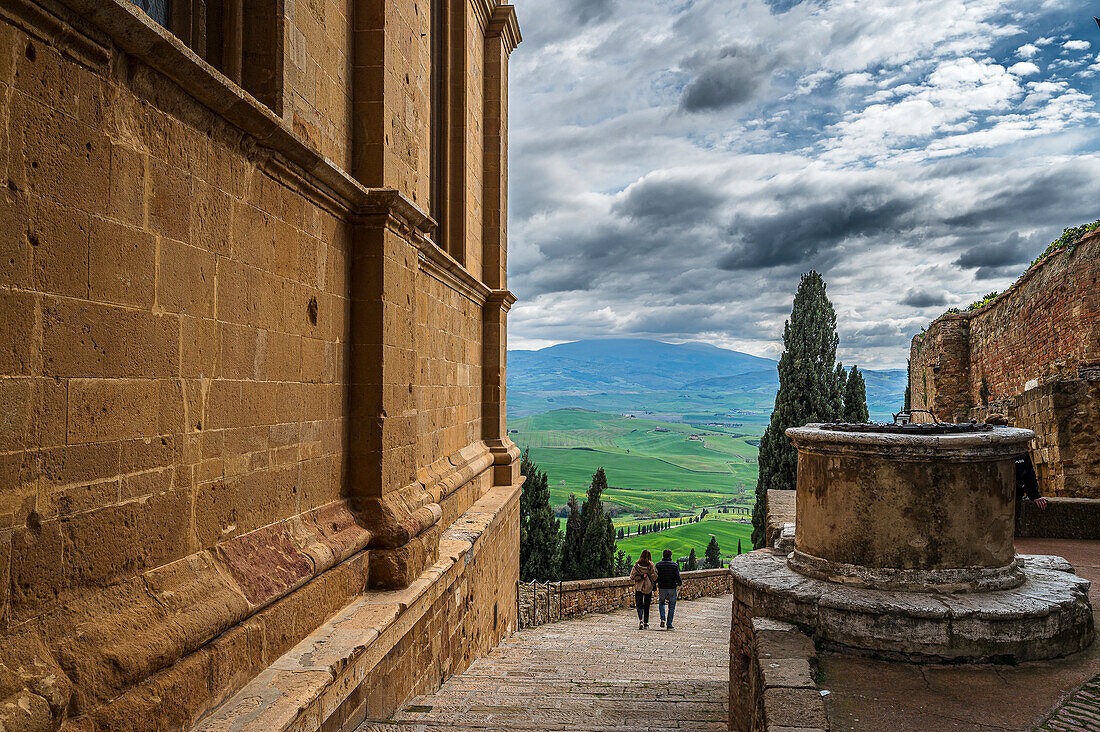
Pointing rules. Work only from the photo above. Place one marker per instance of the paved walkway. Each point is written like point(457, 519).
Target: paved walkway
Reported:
point(598, 672)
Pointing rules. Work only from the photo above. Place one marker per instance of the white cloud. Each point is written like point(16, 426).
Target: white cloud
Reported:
point(631, 217)
point(1077, 45)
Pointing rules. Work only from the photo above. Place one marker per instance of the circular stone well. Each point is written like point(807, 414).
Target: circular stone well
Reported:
point(904, 548)
point(910, 512)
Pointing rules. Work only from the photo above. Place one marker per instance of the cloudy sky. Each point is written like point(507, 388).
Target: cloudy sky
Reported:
point(677, 164)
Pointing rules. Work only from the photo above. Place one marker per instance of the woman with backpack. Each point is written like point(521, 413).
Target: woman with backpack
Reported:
point(644, 575)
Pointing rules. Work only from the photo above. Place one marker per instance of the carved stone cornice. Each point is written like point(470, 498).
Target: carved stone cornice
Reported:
point(445, 268)
point(503, 299)
point(391, 207)
point(503, 24)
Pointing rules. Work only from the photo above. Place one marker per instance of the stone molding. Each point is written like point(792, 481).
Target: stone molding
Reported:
point(1046, 617)
point(504, 24)
point(502, 299)
point(442, 266)
point(968, 579)
point(119, 644)
point(1004, 441)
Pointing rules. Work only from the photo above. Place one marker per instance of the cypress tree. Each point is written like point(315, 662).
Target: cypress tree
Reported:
point(692, 564)
point(738, 547)
point(855, 398)
point(571, 546)
point(713, 555)
point(598, 537)
point(807, 391)
point(540, 537)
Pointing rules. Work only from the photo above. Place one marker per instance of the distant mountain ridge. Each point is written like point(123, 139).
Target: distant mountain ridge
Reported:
point(623, 365)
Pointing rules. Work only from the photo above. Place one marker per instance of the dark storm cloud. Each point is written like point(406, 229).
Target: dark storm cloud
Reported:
point(1014, 250)
point(732, 76)
point(878, 334)
point(1048, 194)
point(924, 299)
point(809, 234)
point(668, 202)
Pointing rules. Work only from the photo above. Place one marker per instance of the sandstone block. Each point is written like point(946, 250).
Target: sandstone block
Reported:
point(89, 340)
point(112, 409)
point(59, 240)
point(185, 279)
point(122, 268)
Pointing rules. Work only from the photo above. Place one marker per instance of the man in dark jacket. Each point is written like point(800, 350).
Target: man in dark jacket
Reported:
point(668, 582)
point(1027, 484)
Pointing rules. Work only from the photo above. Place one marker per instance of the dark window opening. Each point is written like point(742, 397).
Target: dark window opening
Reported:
point(240, 38)
point(439, 112)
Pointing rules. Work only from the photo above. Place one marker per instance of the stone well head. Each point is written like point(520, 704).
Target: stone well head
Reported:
point(915, 509)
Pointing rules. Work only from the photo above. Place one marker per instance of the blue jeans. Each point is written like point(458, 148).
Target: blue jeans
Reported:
point(668, 596)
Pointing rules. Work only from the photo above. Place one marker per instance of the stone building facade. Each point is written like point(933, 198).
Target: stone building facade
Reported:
point(1033, 354)
point(253, 275)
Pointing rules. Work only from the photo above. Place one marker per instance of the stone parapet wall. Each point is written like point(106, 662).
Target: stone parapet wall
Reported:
point(772, 667)
point(542, 603)
point(1064, 518)
point(1033, 354)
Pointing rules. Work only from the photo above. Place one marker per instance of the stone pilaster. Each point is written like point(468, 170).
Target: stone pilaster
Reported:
point(494, 388)
point(501, 38)
point(400, 514)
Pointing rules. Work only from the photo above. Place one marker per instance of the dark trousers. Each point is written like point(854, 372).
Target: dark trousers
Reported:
point(641, 602)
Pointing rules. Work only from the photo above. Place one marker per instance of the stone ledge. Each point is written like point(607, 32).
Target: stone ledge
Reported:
point(306, 686)
point(1046, 617)
point(783, 693)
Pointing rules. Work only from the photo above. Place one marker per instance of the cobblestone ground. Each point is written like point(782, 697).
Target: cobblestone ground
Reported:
point(1080, 712)
point(598, 672)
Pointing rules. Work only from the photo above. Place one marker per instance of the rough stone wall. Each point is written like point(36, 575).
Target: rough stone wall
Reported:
point(563, 600)
point(1034, 354)
point(772, 664)
point(209, 420)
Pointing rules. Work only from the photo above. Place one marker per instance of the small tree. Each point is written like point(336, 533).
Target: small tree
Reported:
point(571, 546)
point(808, 390)
point(540, 536)
point(738, 547)
point(855, 398)
point(713, 555)
point(598, 532)
point(692, 563)
point(620, 563)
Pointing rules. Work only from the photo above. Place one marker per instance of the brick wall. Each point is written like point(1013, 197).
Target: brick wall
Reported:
point(563, 600)
point(1033, 354)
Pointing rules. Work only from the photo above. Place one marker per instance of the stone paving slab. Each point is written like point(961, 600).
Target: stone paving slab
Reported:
point(598, 672)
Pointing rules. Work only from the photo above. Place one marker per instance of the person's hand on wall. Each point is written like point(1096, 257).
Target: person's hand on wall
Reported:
point(1041, 503)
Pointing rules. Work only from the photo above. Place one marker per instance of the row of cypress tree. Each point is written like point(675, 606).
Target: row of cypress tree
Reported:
point(813, 387)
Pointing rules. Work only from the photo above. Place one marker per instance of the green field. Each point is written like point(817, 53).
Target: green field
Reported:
point(651, 465)
point(682, 539)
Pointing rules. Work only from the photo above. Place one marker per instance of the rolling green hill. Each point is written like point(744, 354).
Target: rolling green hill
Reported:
point(682, 539)
point(650, 465)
